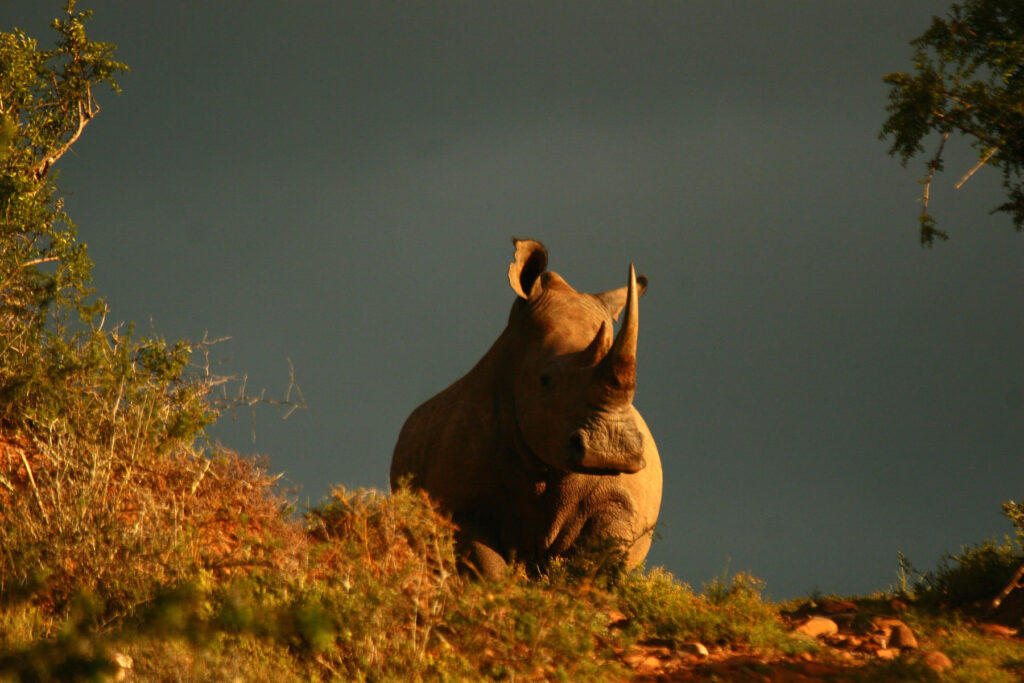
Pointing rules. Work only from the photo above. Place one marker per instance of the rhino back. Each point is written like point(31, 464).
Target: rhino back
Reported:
point(444, 444)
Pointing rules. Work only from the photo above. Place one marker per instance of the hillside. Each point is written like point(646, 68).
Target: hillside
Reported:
point(188, 566)
point(132, 547)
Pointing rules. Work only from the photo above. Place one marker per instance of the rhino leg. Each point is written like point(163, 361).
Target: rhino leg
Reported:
point(476, 549)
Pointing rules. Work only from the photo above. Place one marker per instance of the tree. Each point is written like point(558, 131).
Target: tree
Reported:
point(54, 352)
point(968, 81)
point(46, 101)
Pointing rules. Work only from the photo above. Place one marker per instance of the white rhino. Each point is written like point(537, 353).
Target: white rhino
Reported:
point(539, 448)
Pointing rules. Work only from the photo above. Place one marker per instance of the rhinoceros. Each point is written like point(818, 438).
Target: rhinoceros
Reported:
point(538, 448)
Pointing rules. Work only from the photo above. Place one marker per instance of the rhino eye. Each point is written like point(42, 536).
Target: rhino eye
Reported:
point(545, 380)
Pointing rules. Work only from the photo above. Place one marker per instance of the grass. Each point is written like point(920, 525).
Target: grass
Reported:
point(192, 562)
point(125, 536)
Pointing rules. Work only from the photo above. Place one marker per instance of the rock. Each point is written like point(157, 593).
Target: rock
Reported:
point(617, 619)
point(898, 605)
point(998, 630)
point(903, 638)
point(635, 659)
point(649, 665)
point(834, 606)
point(894, 633)
point(853, 641)
point(695, 648)
point(888, 653)
point(818, 627)
point(937, 661)
point(124, 663)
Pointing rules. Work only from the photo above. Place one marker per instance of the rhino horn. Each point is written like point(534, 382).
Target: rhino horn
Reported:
point(590, 356)
point(615, 299)
point(617, 371)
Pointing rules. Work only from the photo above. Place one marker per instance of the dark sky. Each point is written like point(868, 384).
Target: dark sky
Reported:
point(337, 183)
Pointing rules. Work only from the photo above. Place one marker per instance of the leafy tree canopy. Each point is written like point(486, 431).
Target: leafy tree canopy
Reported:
point(46, 101)
point(968, 79)
point(56, 361)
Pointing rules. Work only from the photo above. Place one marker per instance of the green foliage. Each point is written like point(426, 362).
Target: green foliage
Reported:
point(968, 79)
point(1015, 513)
point(395, 607)
point(54, 354)
point(730, 611)
point(46, 100)
point(971, 577)
point(376, 598)
point(976, 574)
point(981, 658)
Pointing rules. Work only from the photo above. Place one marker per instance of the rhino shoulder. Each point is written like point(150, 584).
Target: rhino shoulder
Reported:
point(445, 438)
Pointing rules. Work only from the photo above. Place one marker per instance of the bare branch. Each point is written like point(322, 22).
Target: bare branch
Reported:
point(85, 115)
point(933, 166)
point(984, 160)
point(1013, 584)
point(37, 261)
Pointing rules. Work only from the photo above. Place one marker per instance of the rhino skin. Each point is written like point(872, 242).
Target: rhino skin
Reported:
point(538, 448)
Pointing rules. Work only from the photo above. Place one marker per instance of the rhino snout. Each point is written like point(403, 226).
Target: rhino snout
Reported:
point(612, 450)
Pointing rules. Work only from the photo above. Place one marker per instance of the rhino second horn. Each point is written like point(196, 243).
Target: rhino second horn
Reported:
point(618, 369)
point(590, 356)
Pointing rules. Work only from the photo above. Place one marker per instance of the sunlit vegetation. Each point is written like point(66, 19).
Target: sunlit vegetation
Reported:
point(133, 548)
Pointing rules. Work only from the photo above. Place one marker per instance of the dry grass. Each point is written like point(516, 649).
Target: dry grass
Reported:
point(78, 520)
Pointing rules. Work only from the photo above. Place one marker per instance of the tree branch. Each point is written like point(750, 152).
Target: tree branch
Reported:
point(85, 114)
point(965, 129)
point(1014, 583)
point(37, 261)
point(933, 166)
point(984, 160)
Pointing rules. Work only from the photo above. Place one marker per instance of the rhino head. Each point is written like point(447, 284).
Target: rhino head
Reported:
point(572, 383)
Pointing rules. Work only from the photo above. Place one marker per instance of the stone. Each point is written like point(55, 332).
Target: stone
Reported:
point(649, 665)
point(617, 619)
point(903, 638)
point(124, 663)
point(836, 606)
point(695, 648)
point(893, 633)
point(937, 661)
point(818, 627)
point(635, 659)
point(898, 605)
point(853, 641)
point(888, 653)
point(998, 630)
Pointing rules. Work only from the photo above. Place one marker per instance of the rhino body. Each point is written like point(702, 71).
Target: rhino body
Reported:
point(538, 448)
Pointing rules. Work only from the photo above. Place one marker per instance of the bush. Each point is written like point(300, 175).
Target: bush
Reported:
point(730, 611)
point(974, 575)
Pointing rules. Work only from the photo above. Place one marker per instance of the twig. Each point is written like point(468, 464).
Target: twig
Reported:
point(35, 489)
point(37, 261)
point(84, 116)
point(1014, 583)
point(984, 160)
point(933, 166)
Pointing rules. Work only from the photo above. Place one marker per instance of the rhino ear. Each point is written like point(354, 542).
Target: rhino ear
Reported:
point(614, 300)
point(530, 260)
